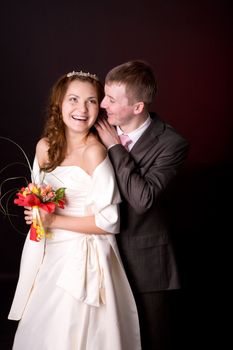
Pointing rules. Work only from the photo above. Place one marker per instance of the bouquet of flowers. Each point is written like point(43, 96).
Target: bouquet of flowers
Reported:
point(40, 196)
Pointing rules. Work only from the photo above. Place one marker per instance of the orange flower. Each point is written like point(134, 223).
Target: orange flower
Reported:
point(40, 196)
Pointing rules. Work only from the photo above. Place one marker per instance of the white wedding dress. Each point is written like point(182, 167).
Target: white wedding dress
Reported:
point(72, 292)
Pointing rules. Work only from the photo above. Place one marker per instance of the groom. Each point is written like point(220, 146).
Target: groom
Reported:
point(145, 161)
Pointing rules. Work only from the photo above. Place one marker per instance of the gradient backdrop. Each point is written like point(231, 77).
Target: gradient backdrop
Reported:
point(189, 45)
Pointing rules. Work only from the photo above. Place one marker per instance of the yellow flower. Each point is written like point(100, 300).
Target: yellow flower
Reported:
point(32, 188)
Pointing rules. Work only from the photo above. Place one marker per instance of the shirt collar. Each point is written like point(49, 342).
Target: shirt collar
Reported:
point(136, 134)
point(137, 131)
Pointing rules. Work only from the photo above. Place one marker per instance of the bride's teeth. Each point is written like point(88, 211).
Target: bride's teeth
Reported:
point(79, 117)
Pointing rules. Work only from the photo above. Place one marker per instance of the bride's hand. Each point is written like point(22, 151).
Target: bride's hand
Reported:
point(46, 218)
point(28, 215)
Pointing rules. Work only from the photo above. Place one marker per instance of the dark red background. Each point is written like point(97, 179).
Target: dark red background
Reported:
point(189, 45)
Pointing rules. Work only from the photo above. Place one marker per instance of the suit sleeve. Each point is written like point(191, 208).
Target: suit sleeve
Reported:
point(141, 185)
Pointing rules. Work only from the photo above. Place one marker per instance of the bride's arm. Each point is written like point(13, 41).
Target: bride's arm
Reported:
point(84, 224)
point(93, 156)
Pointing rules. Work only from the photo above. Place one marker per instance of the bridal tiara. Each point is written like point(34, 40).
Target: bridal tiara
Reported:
point(82, 74)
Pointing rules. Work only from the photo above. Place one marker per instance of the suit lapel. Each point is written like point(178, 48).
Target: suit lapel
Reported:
point(147, 140)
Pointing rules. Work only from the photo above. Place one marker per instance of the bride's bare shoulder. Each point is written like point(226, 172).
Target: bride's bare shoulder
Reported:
point(93, 155)
point(42, 152)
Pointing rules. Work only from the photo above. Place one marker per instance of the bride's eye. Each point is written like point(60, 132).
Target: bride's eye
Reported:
point(73, 99)
point(92, 101)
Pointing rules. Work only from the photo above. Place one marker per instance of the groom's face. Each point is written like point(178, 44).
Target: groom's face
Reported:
point(116, 104)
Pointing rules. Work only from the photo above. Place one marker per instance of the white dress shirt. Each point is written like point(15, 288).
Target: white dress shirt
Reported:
point(135, 134)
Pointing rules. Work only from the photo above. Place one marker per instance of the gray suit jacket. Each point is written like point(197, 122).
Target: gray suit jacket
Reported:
point(142, 176)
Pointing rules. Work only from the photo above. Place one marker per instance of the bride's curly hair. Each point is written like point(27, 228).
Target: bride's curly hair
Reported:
point(54, 129)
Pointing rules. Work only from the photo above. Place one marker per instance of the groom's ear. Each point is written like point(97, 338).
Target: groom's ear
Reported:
point(138, 107)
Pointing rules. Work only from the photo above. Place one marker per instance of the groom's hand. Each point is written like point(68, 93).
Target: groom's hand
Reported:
point(107, 133)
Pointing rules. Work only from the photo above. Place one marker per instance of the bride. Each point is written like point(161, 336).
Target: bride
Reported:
point(72, 292)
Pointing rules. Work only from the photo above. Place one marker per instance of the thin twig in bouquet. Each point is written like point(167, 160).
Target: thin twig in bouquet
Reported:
point(32, 195)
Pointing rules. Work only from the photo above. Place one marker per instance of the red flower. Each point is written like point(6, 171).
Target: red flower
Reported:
point(44, 197)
